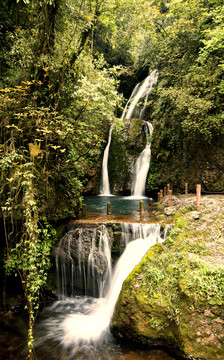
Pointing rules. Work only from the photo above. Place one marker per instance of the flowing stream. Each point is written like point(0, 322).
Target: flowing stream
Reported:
point(89, 328)
point(79, 326)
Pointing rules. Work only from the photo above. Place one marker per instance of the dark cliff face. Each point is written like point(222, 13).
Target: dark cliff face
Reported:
point(198, 163)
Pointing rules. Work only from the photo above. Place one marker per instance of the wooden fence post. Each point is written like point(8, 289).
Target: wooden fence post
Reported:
point(186, 188)
point(161, 195)
point(170, 197)
point(109, 208)
point(141, 207)
point(198, 197)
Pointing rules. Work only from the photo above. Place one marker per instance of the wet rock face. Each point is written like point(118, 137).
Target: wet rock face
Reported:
point(124, 149)
point(78, 241)
point(70, 245)
point(81, 259)
point(175, 296)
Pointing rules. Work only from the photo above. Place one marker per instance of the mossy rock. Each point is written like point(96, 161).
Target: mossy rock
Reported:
point(175, 296)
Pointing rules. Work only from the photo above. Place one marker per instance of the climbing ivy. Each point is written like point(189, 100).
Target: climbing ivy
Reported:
point(29, 254)
point(32, 139)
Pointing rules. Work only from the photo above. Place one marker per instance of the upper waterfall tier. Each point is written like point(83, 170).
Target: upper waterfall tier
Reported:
point(139, 95)
point(136, 107)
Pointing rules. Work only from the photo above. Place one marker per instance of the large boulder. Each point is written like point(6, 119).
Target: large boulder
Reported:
point(175, 296)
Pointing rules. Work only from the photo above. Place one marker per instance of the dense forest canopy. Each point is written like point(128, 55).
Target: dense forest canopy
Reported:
point(66, 67)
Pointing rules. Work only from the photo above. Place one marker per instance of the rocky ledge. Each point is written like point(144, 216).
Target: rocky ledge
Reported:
point(175, 296)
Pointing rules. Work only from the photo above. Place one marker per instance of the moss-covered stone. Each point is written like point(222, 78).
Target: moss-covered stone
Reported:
point(175, 296)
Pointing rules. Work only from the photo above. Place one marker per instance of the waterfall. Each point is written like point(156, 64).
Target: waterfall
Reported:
point(140, 94)
point(133, 231)
point(82, 323)
point(135, 107)
point(105, 185)
point(90, 328)
point(141, 166)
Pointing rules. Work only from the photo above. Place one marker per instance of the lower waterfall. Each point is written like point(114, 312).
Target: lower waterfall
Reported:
point(81, 324)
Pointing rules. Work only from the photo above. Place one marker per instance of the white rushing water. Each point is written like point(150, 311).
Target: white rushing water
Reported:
point(105, 185)
point(141, 166)
point(81, 328)
point(140, 93)
point(88, 323)
point(134, 231)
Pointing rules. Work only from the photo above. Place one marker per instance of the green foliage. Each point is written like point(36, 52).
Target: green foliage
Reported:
point(151, 180)
point(187, 48)
point(178, 272)
point(42, 159)
point(58, 98)
point(178, 275)
point(206, 283)
point(32, 134)
point(30, 255)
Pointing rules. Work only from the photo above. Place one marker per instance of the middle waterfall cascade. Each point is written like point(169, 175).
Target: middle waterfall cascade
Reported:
point(105, 185)
point(88, 319)
point(141, 166)
point(135, 108)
